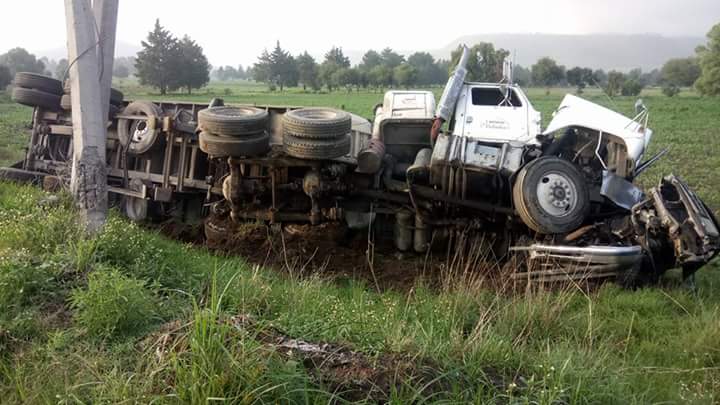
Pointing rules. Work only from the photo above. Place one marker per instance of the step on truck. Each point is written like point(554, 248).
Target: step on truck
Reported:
point(560, 202)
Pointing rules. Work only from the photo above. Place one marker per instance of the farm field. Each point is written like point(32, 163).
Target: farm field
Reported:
point(131, 316)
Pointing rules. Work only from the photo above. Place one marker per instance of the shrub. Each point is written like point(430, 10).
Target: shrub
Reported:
point(670, 90)
point(113, 304)
point(631, 87)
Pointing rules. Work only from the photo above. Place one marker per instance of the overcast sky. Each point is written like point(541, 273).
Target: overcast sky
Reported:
point(235, 31)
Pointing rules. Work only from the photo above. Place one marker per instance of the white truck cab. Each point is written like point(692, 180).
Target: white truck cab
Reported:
point(496, 113)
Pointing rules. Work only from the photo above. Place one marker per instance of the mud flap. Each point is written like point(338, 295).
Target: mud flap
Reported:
point(672, 216)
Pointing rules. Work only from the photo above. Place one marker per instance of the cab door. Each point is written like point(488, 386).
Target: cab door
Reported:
point(495, 116)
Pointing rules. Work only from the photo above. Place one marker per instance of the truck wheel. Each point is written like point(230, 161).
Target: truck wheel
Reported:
point(316, 123)
point(140, 135)
point(551, 196)
point(316, 149)
point(222, 146)
point(39, 82)
point(36, 98)
point(233, 121)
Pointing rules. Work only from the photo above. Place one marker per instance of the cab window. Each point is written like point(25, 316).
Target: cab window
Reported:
point(494, 97)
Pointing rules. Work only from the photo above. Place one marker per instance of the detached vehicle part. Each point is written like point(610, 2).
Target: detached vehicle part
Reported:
point(233, 121)
point(36, 98)
point(316, 123)
point(38, 82)
point(316, 133)
point(246, 146)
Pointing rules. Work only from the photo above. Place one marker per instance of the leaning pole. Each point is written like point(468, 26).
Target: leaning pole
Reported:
point(89, 75)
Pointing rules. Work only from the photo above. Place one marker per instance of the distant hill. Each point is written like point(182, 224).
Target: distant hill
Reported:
point(599, 51)
point(121, 49)
point(605, 51)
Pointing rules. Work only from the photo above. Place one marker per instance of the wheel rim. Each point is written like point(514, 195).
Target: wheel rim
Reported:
point(140, 131)
point(557, 194)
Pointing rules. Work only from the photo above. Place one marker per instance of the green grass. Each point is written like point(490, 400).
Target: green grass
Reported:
point(87, 320)
point(14, 121)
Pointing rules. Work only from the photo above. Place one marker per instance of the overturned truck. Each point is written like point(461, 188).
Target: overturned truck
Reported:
point(562, 199)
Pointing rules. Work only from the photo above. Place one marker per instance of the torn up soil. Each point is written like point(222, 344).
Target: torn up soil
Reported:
point(330, 250)
point(352, 375)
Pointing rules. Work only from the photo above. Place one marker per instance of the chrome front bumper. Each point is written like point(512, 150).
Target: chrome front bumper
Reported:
point(549, 263)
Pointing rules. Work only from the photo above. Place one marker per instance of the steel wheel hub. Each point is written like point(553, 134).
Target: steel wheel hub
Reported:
point(557, 194)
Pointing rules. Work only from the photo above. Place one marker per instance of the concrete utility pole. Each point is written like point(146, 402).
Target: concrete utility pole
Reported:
point(106, 12)
point(89, 170)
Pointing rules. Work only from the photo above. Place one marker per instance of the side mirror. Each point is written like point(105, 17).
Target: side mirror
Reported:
point(640, 106)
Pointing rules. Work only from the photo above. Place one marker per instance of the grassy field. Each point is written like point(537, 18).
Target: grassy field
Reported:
point(132, 317)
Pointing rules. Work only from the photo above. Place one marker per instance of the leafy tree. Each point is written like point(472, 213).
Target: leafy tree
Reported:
point(380, 76)
point(635, 74)
point(579, 77)
point(156, 63)
point(546, 72)
point(335, 59)
point(225, 73)
point(195, 68)
point(61, 69)
point(709, 55)
point(485, 63)
point(307, 71)
point(599, 78)
point(20, 60)
point(631, 87)
point(405, 75)
point(681, 72)
point(363, 77)
point(218, 74)
point(444, 67)
point(391, 59)
point(262, 68)
point(5, 77)
point(344, 77)
point(428, 71)
point(615, 81)
point(370, 60)
point(283, 69)
point(651, 78)
point(522, 75)
point(249, 72)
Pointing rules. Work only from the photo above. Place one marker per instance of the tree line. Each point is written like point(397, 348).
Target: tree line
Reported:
point(387, 68)
point(170, 64)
